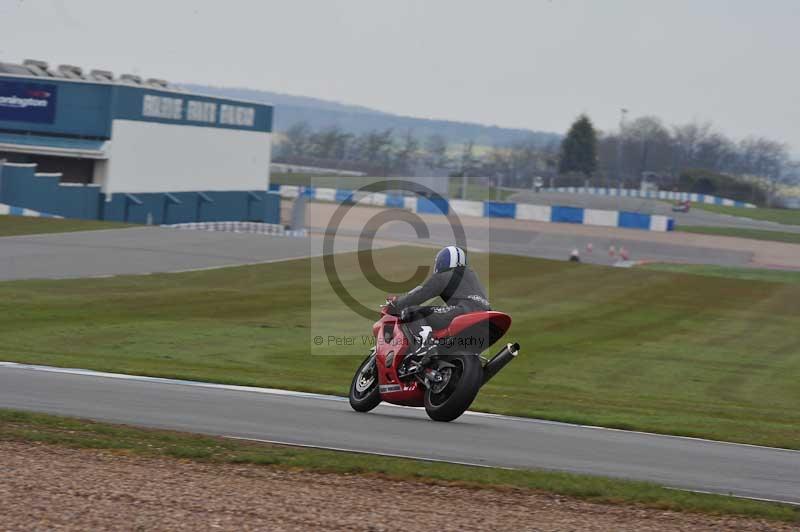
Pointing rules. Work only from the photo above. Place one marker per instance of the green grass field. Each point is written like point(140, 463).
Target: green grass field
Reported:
point(754, 234)
point(26, 225)
point(330, 181)
point(783, 216)
point(20, 426)
point(751, 274)
point(478, 192)
point(638, 349)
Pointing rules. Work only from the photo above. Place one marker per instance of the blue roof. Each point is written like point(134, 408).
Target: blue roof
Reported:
point(54, 144)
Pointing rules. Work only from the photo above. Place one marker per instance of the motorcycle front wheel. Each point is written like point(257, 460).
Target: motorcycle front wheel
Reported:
point(449, 399)
point(364, 392)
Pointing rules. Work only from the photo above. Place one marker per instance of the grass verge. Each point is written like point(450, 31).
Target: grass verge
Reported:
point(782, 216)
point(28, 225)
point(754, 234)
point(27, 427)
point(751, 274)
point(636, 349)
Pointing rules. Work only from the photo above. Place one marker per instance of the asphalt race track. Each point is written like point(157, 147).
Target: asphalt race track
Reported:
point(696, 216)
point(552, 246)
point(480, 439)
point(143, 250)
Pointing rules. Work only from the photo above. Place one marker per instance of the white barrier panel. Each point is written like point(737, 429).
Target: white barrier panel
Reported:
point(19, 211)
point(375, 198)
point(659, 223)
point(597, 217)
point(325, 194)
point(289, 191)
point(410, 202)
point(538, 213)
point(467, 207)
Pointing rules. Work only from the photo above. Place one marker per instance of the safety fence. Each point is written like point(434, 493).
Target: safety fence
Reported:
point(486, 209)
point(654, 194)
point(241, 227)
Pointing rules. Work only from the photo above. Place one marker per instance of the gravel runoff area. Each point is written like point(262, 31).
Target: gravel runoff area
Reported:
point(58, 488)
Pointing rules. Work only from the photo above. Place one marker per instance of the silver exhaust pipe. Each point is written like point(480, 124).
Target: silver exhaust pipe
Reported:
point(499, 361)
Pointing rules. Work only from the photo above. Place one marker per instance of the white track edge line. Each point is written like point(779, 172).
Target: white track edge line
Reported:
point(473, 464)
point(760, 499)
point(325, 397)
point(375, 453)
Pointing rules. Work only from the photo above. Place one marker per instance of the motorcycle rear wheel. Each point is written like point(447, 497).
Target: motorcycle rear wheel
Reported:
point(364, 393)
point(463, 384)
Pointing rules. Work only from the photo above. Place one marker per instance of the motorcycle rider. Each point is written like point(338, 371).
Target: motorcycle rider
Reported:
point(458, 286)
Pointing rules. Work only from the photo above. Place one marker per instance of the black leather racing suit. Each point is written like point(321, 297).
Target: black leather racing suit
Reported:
point(460, 289)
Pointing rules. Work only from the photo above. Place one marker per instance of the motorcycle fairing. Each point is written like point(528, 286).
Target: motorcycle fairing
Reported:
point(392, 345)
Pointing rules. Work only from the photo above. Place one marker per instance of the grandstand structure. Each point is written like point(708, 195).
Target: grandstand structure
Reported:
point(93, 145)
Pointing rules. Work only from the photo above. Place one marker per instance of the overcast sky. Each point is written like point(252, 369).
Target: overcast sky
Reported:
point(528, 63)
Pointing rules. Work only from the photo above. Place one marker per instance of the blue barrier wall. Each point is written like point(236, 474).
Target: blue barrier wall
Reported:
point(555, 214)
point(432, 205)
point(182, 207)
point(571, 215)
point(634, 220)
point(395, 200)
point(344, 196)
point(21, 187)
point(497, 209)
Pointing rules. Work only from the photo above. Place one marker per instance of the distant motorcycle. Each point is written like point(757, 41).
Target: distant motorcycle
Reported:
point(682, 206)
point(444, 381)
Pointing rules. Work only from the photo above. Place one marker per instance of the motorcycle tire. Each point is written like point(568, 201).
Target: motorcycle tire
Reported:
point(462, 387)
point(364, 399)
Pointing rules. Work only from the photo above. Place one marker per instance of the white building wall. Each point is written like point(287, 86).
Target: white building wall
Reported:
point(157, 157)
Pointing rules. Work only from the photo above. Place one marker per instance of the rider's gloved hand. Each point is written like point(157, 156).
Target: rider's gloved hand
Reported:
point(391, 305)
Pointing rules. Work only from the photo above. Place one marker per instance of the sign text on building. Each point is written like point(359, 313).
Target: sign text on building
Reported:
point(171, 108)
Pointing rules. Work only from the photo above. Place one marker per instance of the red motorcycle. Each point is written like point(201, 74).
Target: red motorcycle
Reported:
point(446, 380)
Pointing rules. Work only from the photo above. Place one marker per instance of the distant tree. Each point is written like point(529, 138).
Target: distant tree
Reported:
point(468, 160)
point(767, 161)
point(647, 146)
point(296, 141)
point(436, 151)
point(406, 155)
point(579, 148)
point(376, 147)
point(330, 143)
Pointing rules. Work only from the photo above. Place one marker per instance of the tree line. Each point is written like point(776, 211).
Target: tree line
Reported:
point(646, 148)
point(377, 152)
point(390, 153)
